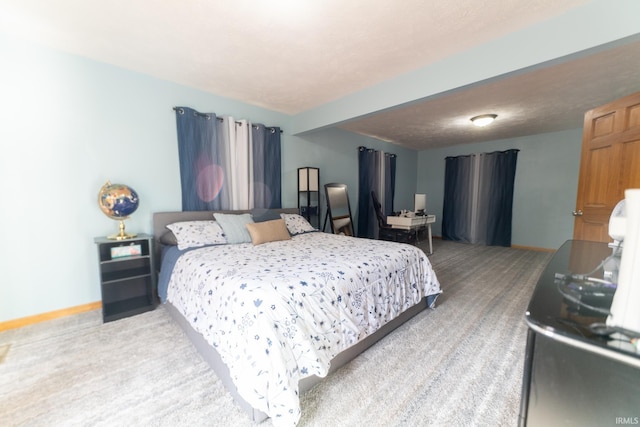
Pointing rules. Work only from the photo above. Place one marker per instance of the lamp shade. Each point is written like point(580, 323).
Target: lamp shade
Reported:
point(308, 179)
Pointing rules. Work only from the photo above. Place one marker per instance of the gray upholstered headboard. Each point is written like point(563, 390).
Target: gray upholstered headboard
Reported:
point(162, 219)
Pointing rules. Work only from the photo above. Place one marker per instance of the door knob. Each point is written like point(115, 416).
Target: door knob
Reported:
point(577, 213)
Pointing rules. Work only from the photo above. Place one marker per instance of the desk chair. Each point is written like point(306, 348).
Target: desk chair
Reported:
point(387, 232)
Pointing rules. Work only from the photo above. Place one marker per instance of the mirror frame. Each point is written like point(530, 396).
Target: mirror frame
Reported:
point(341, 224)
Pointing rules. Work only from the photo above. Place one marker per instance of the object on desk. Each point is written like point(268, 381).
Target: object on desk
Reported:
point(625, 310)
point(617, 231)
point(420, 203)
point(407, 213)
point(618, 222)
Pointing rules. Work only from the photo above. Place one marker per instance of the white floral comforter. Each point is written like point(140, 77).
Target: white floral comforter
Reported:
point(279, 312)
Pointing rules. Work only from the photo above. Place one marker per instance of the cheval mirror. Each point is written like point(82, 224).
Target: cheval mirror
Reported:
point(338, 209)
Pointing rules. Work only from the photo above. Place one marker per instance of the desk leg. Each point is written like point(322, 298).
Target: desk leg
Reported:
point(430, 241)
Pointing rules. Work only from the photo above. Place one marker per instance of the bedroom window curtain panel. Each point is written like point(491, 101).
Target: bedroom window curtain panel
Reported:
point(266, 169)
point(227, 163)
point(376, 172)
point(478, 198)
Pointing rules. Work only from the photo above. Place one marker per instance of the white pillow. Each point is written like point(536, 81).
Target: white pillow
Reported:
point(296, 224)
point(192, 234)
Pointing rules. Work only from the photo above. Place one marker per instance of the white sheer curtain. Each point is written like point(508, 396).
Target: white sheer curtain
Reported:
point(236, 135)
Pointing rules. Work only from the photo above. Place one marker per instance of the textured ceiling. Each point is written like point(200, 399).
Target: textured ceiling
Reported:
point(292, 56)
point(547, 99)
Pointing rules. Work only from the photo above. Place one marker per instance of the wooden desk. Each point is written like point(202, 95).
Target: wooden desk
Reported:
point(416, 223)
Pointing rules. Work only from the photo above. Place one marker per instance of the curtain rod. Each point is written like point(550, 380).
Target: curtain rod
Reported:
point(483, 154)
point(220, 119)
point(363, 148)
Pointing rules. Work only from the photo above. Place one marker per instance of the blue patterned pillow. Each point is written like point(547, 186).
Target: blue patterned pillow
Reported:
point(192, 234)
point(234, 226)
point(297, 224)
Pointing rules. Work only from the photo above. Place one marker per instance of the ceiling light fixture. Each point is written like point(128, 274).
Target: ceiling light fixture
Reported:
point(483, 119)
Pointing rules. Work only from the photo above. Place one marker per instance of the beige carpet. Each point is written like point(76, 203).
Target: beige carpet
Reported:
point(460, 364)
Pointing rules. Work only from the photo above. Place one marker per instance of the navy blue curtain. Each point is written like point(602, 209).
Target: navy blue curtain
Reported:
point(201, 176)
point(376, 172)
point(502, 167)
point(478, 198)
point(267, 166)
point(366, 183)
point(389, 182)
point(458, 198)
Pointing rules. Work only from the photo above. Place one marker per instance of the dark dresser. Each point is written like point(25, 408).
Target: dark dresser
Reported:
point(573, 376)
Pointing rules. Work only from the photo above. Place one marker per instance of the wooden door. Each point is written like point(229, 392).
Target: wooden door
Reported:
point(609, 165)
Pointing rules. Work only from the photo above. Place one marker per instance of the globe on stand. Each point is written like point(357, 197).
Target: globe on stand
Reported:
point(118, 201)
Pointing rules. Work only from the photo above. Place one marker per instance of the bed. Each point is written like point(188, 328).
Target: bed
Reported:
point(273, 318)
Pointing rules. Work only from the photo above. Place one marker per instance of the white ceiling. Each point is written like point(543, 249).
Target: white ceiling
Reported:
point(295, 55)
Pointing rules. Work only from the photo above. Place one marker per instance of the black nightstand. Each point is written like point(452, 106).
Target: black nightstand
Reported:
point(127, 279)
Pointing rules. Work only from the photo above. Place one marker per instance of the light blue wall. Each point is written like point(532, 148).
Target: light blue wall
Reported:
point(68, 125)
point(545, 185)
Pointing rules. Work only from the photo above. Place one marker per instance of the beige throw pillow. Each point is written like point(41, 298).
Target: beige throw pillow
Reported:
point(268, 231)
